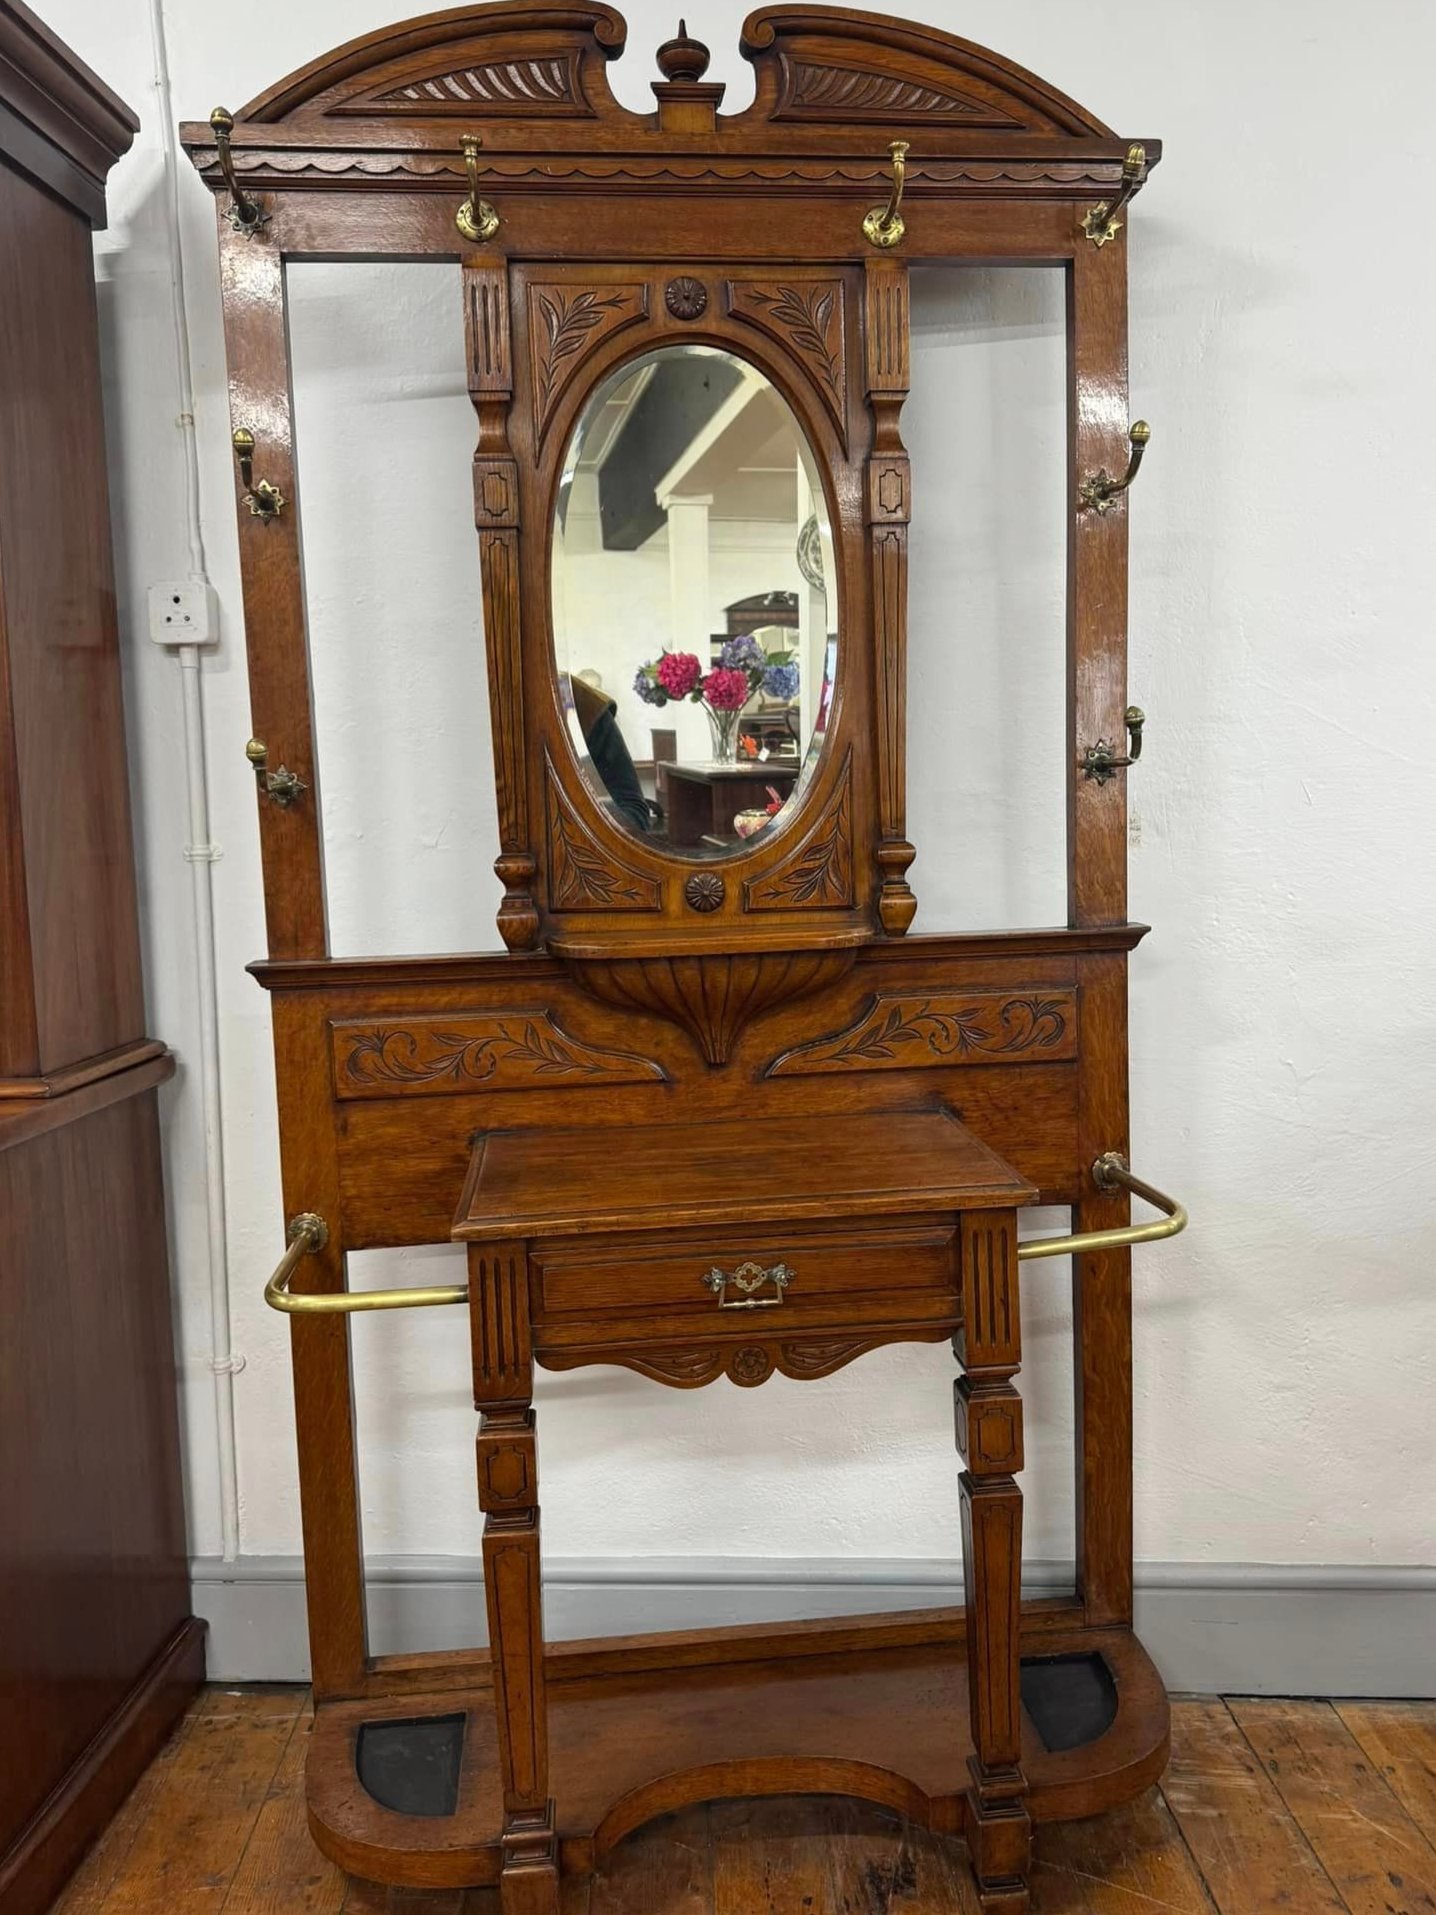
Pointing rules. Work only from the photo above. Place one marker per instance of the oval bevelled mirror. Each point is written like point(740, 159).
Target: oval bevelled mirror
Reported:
point(694, 601)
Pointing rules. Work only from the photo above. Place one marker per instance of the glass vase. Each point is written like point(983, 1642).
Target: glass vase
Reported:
point(724, 727)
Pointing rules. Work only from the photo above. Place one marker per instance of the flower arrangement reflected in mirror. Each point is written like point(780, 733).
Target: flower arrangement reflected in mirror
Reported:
point(744, 670)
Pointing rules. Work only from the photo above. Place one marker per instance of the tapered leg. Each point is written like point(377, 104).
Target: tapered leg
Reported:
point(989, 1437)
point(508, 1496)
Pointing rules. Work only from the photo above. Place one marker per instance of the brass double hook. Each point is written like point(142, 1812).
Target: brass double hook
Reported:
point(885, 225)
point(246, 215)
point(1099, 489)
point(264, 500)
point(1101, 223)
point(475, 219)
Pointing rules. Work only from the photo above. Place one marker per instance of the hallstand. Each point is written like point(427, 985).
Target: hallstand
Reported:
point(695, 1017)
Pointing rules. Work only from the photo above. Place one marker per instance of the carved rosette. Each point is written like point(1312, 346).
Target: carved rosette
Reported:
point(713, 996)
point(932, 1029)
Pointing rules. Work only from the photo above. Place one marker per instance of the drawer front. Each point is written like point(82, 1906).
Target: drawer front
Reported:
point(738, 1278)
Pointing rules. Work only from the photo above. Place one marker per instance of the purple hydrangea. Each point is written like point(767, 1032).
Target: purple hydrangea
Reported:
point(742, 655)
point(650, 692)
point(781, 681)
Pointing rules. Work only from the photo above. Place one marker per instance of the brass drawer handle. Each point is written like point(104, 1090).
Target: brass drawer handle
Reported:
point(749, 1278)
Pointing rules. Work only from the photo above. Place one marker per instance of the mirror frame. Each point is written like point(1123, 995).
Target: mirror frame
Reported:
point(598, 879)
point(719, 861)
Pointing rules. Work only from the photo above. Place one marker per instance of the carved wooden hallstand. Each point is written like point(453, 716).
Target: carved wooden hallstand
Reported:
point(916, 1089)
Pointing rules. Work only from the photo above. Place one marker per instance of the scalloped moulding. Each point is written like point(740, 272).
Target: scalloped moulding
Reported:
point(874, 1707)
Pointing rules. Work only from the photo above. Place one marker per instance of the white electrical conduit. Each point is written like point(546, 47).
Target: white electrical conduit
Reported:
point(199, 852)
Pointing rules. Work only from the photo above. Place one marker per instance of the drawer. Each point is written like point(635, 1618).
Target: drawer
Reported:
point(737, 1276)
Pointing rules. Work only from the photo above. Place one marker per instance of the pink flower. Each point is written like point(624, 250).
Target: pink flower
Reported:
point(726, 690)
point(679, 672)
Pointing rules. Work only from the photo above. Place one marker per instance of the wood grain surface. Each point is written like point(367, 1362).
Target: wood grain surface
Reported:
point(1300, 1807)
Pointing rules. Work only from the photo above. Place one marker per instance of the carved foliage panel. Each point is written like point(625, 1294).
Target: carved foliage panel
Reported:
point(566, 321)
point(807, 318)
point(818, 871)
point(438, 1053)
point(937, 1029)
point(585, 874)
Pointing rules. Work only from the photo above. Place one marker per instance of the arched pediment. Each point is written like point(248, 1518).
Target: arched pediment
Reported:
point(816, 68)
point(834, 66)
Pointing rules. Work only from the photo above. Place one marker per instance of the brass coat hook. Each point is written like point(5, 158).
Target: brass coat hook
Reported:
point(1100, 490)
point(1101, 760)
point(475, 219)
point(885, 225)
point(1101, 223)
point(283, 786)
point(264, 500)
point(246, 215)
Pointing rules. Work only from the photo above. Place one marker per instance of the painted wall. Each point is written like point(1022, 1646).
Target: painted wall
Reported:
point(1284, 1037)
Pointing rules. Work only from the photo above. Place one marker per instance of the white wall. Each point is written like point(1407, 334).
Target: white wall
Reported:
point(1284, 1035)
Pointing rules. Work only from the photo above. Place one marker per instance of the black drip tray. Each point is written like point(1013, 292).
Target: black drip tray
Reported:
point(1071, 1700)
point(412, 1767)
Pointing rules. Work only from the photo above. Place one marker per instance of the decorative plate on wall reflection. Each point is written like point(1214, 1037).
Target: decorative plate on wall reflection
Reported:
point(810, 554)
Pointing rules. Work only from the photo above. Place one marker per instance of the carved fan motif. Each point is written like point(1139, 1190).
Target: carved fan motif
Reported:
point(532, 87)
point(820, 92)
point(713, 996)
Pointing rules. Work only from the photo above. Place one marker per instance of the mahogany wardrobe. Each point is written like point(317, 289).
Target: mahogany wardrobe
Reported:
point(677, 323)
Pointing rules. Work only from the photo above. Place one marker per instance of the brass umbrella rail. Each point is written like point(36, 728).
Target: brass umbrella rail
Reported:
point(309, 1233)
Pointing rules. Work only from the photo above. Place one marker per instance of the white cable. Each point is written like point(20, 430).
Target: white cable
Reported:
point(200, 852)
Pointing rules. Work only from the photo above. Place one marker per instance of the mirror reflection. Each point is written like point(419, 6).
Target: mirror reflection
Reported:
point(694, 602)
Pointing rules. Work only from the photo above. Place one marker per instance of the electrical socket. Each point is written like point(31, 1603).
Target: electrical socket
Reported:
point(184, 611)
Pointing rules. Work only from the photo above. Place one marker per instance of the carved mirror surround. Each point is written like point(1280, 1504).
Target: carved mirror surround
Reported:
point(695, 635)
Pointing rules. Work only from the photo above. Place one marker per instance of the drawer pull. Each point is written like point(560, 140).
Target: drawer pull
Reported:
point(749, 1278)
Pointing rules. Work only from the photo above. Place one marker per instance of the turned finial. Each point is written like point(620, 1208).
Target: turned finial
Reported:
point(683, 59)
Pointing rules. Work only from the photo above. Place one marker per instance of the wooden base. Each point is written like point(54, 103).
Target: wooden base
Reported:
point(47, 1852)
point(886, 1722)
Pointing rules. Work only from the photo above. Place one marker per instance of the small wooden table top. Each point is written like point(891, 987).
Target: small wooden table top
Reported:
point(535, 1183)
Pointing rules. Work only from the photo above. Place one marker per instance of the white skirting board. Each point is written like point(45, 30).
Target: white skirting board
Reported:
point(1212, 1628)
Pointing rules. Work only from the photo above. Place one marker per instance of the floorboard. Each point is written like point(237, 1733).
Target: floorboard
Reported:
point(1253, 1857)
point(1379, 1861)
point(1268, 1808)
point(1400, 1739)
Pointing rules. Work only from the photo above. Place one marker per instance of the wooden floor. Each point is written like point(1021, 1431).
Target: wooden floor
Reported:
point(1280, 1806)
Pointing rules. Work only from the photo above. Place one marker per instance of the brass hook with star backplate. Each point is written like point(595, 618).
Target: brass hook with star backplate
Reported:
point(1101, 761)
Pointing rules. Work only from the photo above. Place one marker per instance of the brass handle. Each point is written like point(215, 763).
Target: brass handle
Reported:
point(1101, 223)
point(475, 219)
point(264, 500)
point(1100, 490)
point(246, 215)
point(283, 786)
point(1110, 1172)
point(308, 1233)
point(748, 1278)
point(885, 225)
point(1099, 761)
